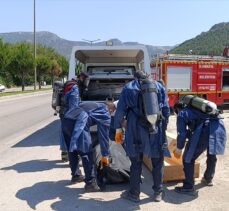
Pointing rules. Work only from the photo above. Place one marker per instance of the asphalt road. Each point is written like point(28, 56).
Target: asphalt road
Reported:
point(20, 113)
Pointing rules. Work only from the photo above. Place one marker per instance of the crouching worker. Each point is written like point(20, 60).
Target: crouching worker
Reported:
point(198, 121)
point(99, 115)
point(70, 101)
point(76, 129)
point(67, 97)
point(144, 135)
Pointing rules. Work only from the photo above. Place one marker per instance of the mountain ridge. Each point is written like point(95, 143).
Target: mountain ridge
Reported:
point(64, 46)
point(211, 42)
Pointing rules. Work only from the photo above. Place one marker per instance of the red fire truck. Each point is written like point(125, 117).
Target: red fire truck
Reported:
point(204, 76)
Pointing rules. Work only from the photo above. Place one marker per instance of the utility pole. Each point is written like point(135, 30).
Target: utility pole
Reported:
point(91, 41)
point(34, 43)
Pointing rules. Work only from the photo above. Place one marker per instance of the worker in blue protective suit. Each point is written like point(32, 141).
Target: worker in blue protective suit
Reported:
point(76, 126)
point(138, 139)
point(63, 147)
point(75, 129)
point(73, 91)
point(71, 100)
point(165, 119)
point(99, 115)
point(204, 132)
point(77, 123)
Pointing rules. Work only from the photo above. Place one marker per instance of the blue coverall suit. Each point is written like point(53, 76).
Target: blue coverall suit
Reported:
point(138, 140)
point(99, 115)
point(76, 127)
point(74, 116)
point(63, 146)
point(204, 132)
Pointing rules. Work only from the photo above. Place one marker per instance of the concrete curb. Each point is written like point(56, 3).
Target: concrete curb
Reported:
point(24, 95)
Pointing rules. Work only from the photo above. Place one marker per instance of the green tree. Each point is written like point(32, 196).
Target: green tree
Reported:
point(17, 63)
point(59, 64)
point(79, 67)
point(43, 67)
point(2, 55)
point(2, 60)
point(62, 61)
point(5, 77)
point(55, 70)
point(22, 62)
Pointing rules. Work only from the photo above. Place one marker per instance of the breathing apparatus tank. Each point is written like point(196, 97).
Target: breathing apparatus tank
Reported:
point(200, 104)
point(56, 96)
point(150, 103)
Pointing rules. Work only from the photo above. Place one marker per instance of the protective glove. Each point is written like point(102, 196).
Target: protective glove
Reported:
point(105, 161)
point(118, 136)
point(177, 153)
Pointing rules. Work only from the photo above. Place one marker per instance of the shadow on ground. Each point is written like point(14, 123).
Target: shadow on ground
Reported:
point(36, 166)
point(47, 136)
point(72, 198)
point(169, 195)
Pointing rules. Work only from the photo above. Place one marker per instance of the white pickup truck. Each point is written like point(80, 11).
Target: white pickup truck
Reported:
point(109, 68)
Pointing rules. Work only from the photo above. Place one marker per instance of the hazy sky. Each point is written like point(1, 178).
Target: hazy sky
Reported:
point(155, 22)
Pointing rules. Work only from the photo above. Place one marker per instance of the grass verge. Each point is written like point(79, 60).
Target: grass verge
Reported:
point(3, 94)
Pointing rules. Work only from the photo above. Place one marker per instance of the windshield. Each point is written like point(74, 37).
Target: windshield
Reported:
point(111, 70)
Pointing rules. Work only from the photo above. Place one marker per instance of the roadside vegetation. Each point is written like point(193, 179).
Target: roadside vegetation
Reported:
point(17, 65)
